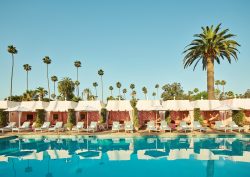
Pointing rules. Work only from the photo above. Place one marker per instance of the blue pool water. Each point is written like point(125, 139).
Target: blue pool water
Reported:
point(221, 156)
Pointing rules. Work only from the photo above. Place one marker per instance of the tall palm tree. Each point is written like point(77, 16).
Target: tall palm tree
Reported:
point(157, 89)
point(77, 64)
point(196, 90)
point(77, 83)
point(27, 68)
point(145, 91)
point(223, 83)
point(12, 50)
point(119, 85)
point(111, 90)
point(217, 83)
point(124, 91)
point(210, 46)
point(133, 94)
point(54, 79)
point(47, 61)
point(101, 73)
point(95, 84)
point(87, 93)
point(154, 94)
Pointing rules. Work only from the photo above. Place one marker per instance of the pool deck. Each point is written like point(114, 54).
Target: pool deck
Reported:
point(122, 134)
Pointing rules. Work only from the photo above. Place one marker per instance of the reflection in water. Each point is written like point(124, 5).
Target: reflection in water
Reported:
point(72, 155)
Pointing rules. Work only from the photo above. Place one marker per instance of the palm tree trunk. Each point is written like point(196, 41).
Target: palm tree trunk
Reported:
point(77, 81)
point(27, 81)
point(102, 88)
point(111, 93)
point(119, 92)
point(223, 92)
point(54, 88)
point(11, 80)
point(145, 96)
point(157, 93)
point(95, 92)
point(124, 96)
point(210, 78)
point(48, 80)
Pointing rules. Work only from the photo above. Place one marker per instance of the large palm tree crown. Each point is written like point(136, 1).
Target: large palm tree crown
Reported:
point(47, 60)
point(132, 86)
point(124, 90)
point(78, 64)
point(209, 46)
point(95, 84)
point(12, 49)
point(111, 88)
point(101, 72)
point(211, 43)
point(27, 67)
point(118, 84)
point(54, 78)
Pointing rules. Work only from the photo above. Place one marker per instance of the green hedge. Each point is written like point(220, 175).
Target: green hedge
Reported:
point(167, 117)
point(238, 117)
point(103, 115)
point(71, 121)
point(40, 117)
point(197, 115)
point(3, 118)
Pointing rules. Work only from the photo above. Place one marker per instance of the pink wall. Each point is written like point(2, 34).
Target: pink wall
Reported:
point(14, 117)
point(92, 116)
point(119, 116)
point(145, 116)
point(62, 117)
point(178, 115)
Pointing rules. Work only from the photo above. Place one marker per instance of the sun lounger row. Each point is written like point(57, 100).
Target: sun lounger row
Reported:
point(116, 127)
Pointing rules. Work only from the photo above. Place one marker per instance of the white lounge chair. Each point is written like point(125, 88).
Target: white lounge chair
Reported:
point(57, 127)
point(44, 127)
point(24, 127)
point(9, 127)
point(164, 126)
point(219, 125)
point(151, 126)
point(129, 126)
point(234, 126)
point(116, 126)
point(198, 126)
point(79, 126)
point(92, 127)
point(184, 127)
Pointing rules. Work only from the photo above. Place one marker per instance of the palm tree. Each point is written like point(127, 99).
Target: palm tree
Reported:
point(47, 61)
point(77, 65)
point(119, 85)
point(196, 90)
point(41, 92)
point(27, 68)
point(54, 79)
point(12, 50)
point(95, 84)
point(145, 91)
point(217, 83)
point(132, 86)
point(124, 91)
point(133, 94)
point(208, 47)
point(157, 89)
point(101, 73)
point(87, 93)
point(223, 83)
point(111, 90)
point(154, 94)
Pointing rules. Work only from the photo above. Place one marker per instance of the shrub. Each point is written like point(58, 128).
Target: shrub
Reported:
point(103, 115)
point(3, 118)
point(135, 118)
point(197, 115)
point(71, 121)
point(167, 117)
point(40, 117)
point(238, 117)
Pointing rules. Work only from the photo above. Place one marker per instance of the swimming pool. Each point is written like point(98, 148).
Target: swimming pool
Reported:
point(219, 156)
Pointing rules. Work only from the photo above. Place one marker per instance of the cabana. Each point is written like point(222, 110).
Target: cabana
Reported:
point(9, 104)
point(26, 111)
point(243, 104)
point(179, 110)
point(88, 111)
point(119, 110)
point(148, 110)
point(207, 108)
point(58, 111)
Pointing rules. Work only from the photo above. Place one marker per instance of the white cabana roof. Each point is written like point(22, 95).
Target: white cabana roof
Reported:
point(226, 107)
point(61, 106)
point(149, 105)
point(177, 105)
point(119, 105)
point(89, 106)
point(238, 103)
point(8, 104)
point(206, 105)
point(29, 106)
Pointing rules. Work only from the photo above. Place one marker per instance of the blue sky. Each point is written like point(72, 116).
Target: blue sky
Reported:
point(133, 41)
